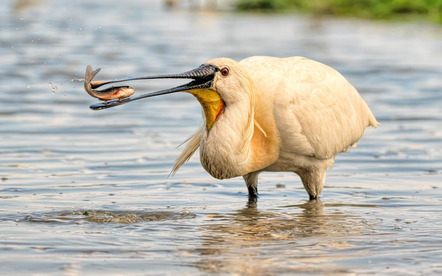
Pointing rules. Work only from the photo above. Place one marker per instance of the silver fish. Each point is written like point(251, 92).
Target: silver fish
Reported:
point(111, 93)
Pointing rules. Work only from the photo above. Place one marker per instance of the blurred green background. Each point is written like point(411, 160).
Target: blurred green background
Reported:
point(428, 10)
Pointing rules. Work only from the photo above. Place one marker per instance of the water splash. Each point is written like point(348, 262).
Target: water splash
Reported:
point(53, 87)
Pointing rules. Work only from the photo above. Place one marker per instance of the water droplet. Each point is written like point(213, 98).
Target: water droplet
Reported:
point(28, 86)
point(53, 87)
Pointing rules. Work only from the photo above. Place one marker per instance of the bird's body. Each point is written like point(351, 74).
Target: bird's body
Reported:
point(272, 114)
point(294, 115)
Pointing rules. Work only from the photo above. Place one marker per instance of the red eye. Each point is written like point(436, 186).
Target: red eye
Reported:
point(225, 71)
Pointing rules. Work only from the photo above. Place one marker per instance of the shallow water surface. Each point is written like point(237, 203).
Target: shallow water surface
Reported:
point(88, 192)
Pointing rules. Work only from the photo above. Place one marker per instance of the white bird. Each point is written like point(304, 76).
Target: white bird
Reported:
point(269, 114)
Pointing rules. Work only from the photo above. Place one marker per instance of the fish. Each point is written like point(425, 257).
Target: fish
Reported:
point(111, 93)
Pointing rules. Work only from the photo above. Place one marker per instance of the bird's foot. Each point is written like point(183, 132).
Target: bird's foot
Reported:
point(253, 194)
point(311, 197)
point(253, 199)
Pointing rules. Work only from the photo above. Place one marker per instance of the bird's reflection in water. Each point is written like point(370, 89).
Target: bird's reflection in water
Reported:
point(304, 239)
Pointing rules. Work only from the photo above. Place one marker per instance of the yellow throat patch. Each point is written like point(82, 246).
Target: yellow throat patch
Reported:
point(212, 104)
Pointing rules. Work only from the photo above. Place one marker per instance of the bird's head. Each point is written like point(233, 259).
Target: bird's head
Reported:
point(232, 82)
point(216, 84)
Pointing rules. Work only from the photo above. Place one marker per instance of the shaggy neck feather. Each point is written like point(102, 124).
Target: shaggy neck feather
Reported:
point(226, 149)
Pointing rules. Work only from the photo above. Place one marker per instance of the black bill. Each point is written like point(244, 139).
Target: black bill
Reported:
point(202, 79)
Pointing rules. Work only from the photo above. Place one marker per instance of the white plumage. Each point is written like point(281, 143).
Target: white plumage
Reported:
point(290, 114)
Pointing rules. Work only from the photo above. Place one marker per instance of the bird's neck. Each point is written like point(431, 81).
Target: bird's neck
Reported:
point(239, 138)
point(226, 147)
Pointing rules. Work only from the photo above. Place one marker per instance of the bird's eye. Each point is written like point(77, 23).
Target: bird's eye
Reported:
point(225, 71)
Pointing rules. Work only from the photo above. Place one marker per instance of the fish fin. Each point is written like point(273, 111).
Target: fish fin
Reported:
point(90, 74)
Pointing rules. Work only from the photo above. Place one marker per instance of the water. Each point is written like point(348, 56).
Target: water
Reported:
point(87, 192)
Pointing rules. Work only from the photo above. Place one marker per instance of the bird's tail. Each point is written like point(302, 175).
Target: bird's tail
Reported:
point(372, 120)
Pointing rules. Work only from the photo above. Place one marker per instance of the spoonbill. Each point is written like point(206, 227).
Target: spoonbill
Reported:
point(268, 114)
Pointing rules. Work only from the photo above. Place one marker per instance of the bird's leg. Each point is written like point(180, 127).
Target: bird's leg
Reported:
point(253, 194)
point(313, 180)
point(311, 197)
point(252, 199)
point(251, 180)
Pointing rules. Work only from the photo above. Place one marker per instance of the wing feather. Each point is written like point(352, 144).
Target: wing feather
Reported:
point(317, 111)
